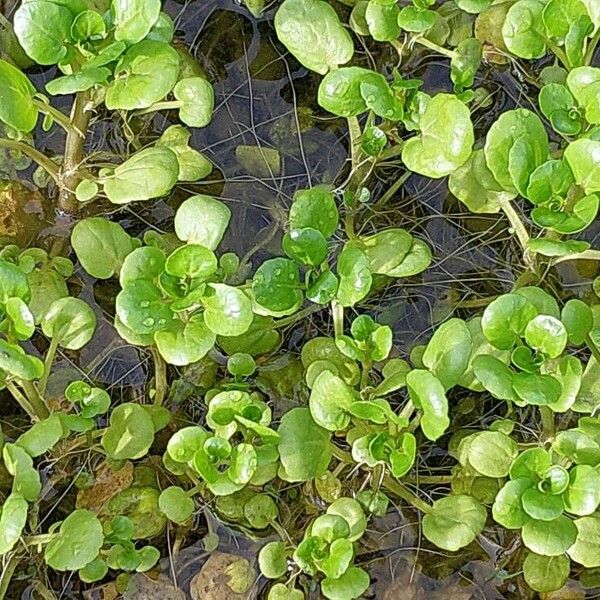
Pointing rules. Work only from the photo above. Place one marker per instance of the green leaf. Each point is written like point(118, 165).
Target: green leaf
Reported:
point(446, 139)
point(192, 164)
point(546, 573)
point(134, 19)
point(228, 311)
point(312, 32)
point(539, 390)
point(491, 453)
point(314, 208)
point(304, 446)
point(13, 283)
point(427, 393)
point(465, 63)
point(43, 29)
point(276, 285)
point(586, 548)
point(88, 25)
point(20, 465)
point(578, 320)
point(454, 522)
point(523, 29)
point(507, 509)
point(202, 220)
point(101, 246)
point(197, 101)
point(352, 584)
point(78, 542)
point(17, 109)
point(272, 560)
point(386, 249)
point(280, 591)
point(41, 436)
point(476, 187)
point(130, 433)
point(13, 360)
point(261, 511)
point(150, 173)
point(141, 308)
point(583, 157)
point(473, 6)
point(505, 319)
point(547, 335)
point(549, 538)
point(70, 322)
point(145, 74)
point(192, 261)
point(330, 401)
point(516, 145)
point(583, 494)
point(78, 82)
point(183, 344)
point(21, 319)
point(307, 246)
point(13, 518)
point(175, 504)
point(416, 20)
point(448, 351)
point(93, 571)
point(146, 262)
point(382, 21)
point(584, 83)
point(354, 274)
point(541, 506)
point(568, 371)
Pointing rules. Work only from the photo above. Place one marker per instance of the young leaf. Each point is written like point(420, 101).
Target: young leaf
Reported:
point(175, 504)
point(70, 322)
point(202, 220)
point(134, 19)
point(130, 433)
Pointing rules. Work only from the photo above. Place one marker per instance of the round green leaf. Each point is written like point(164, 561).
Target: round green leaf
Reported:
point(446, 139)
point(134, 19)
point(13, 519)
point(586, 549)
point(307, 246)
point(540, 506)
point(505, 319)
point(546, 573)
point(276, 285)
point(197, 100)
point(314, 208)
point(428, 394)
point(454, 522)
point(304, 446)
point(130, 433)
point(312, 32)
point(175, 504)
point(523, 29)
point(491, 453)
point(272, 560)
point(583, 494)
point(330, 401)
point(77, 543)
point(141, 308)
point(183, 344)
point(101, 246)
point(145, 74)
point(352, 584)
point(549, 538)
point(70, 322)
point(354, 275)
point(228, 311)
point(546, 334)
point(202, 220)
point(507, 509)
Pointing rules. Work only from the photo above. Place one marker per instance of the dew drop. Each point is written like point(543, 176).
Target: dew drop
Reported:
point(144, 304)
point(148, 322)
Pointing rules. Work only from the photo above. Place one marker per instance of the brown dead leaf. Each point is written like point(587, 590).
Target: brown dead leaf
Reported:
point(224, 577)
point(107, 485)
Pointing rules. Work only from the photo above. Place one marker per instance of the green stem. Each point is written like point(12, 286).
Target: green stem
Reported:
point(340, 454)
point(37, 540)
point(36, 411)
point(7, 574)
point(58, 116)
point(337, 311)
point(407, 411)
point(548, 426)
point(591, 49)
point(586, 255)
point(389, 193)
point(41, 159)
point(435, 47)
point(167, 105)
point(160, 377)
point(593, 348)
point(35, 399)
point(299, 316)
point(429, 479)
point(399, 490)
point(74, 149)
point(48, 362)
point(515, 223)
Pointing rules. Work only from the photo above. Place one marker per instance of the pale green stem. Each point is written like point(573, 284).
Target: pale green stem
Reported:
point(430, 479)
point(160, 377)
point(35, 399)
point(299, 316)
point(22, 401)
point(48, 362)
point(435, 47)
point(167, 105)
point(7, 573)
point(547, 416)
point(586, 255)
point(41, 159)
point(591, 49)
point(515, 223)
point(58, 116)
point(399, 490)
point(337, 311)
